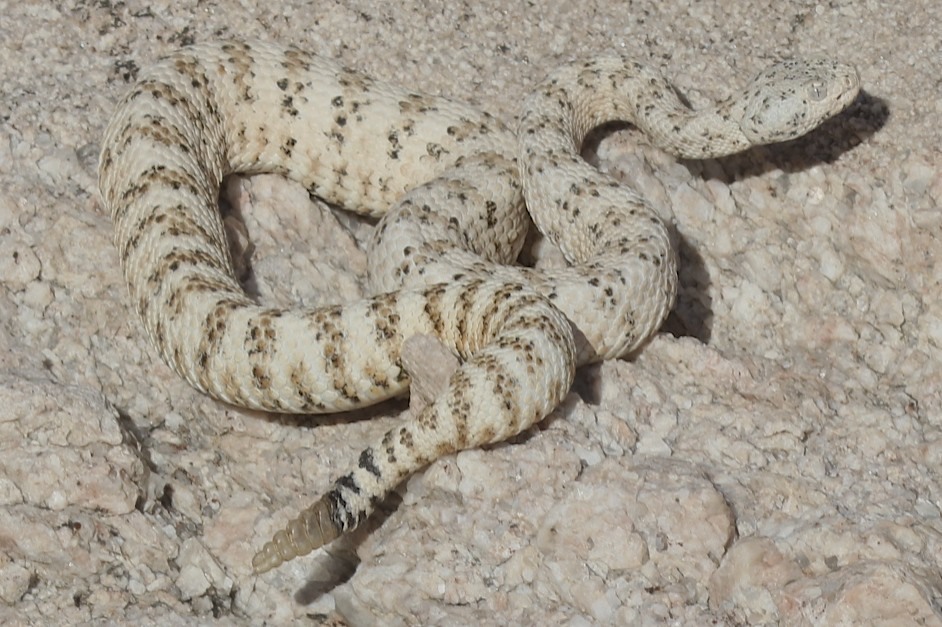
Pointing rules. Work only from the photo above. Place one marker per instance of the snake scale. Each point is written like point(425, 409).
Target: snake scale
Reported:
point(453, 186)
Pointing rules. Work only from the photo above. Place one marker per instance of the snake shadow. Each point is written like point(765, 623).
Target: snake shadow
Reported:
point(692, 315)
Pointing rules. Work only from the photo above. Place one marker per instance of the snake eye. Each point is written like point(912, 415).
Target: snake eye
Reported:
point(817, 91)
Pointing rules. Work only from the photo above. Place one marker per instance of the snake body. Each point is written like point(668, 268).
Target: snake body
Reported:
point(453, 186)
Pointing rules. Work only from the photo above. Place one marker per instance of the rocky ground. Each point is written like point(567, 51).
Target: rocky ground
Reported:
point(773, 456)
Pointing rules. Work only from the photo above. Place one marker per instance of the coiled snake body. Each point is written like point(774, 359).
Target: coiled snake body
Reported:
point(453, 185)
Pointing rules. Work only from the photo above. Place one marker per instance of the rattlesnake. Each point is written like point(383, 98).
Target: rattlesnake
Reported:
point(444, 176)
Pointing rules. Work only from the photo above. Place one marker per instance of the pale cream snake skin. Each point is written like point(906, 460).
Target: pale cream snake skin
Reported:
point(450, 182)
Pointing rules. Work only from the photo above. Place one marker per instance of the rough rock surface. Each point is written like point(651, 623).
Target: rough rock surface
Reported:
point(773, 456)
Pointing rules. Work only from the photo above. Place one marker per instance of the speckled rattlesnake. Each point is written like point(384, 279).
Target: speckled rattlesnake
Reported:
point(445, 176)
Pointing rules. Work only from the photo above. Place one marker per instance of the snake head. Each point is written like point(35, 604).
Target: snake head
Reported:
point(790, 98)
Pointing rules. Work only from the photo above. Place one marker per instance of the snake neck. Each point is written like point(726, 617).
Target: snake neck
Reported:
point(584, 96)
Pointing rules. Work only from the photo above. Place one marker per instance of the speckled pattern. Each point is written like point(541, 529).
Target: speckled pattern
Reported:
point(444, 176)
point(770, 456)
